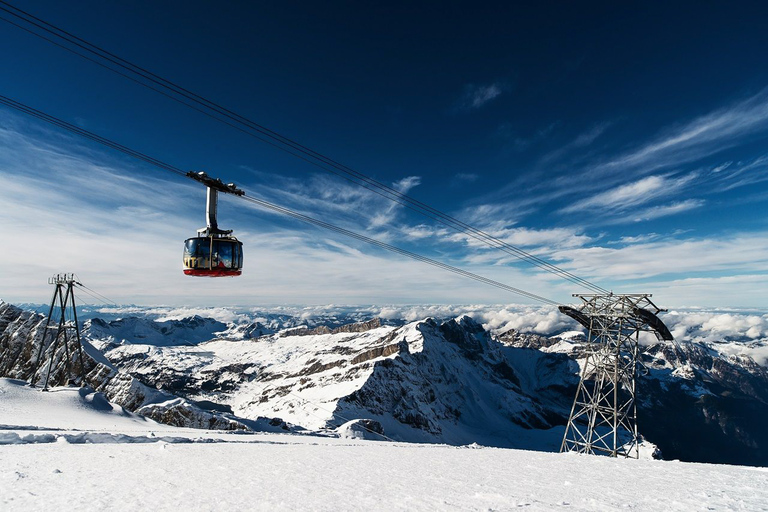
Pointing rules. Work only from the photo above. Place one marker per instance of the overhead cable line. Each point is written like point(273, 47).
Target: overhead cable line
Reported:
point(247, 126)
point(81, 303)
point(86, 134)
point(383, 245)
point(93, 296)
point(93, 292)
point(265, 204)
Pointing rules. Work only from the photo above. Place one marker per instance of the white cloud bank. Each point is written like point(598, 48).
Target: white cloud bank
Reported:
point(733, 332)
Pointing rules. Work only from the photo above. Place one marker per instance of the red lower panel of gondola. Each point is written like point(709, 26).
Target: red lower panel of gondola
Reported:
point(216, 272)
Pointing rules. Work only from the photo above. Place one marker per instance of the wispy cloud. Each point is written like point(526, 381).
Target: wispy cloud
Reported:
point(508, 133)
point(579, 143)
point(743, 173)
point(462, 178)
point(647, 237)
point(704, 136)
point(495, 215)
point(348, 205)
point(539, 242)
point(656, 212)
point(589, 136)
point(633, 195)
point(388, 214)
point(405, 185)
point(423, 231)
point(477, 96)
point(682, 147)
point(734, 254)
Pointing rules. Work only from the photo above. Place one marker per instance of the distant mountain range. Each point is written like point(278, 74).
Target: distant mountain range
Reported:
point(443, 380)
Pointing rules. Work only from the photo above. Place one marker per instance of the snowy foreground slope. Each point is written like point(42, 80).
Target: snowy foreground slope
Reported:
point(72, 450)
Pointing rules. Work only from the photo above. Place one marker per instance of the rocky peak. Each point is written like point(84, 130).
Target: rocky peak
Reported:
point(368, 325)
point(466, 333)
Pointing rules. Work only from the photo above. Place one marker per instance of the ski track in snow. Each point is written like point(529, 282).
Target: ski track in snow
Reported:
point(71, 450)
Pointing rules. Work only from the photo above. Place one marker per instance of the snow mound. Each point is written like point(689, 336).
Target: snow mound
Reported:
point(572, 336)
point(64, 408)
point(362, 429)
point(94, 438)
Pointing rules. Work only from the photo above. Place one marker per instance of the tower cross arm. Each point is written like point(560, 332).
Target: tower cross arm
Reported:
point(215, 183)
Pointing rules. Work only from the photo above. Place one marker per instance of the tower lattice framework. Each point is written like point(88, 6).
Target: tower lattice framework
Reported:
point(603, 417)
point(63, 307)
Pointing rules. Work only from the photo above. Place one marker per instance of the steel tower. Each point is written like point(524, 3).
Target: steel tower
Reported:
point(603, 418)
point(63, 303)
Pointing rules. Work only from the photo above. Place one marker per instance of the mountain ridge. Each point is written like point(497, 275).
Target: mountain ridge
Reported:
point(448, 382)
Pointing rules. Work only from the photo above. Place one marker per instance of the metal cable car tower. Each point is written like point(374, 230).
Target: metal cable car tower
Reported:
point(64, 293)
point(603, 417)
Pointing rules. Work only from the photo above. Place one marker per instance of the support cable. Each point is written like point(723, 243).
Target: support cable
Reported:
point(397, 250)
point(265, 204)
point(88, 135)
point(104, 298)
point(94, 297)
point(276, 140)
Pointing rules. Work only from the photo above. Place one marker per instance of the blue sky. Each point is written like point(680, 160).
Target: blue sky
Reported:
point(627, 145)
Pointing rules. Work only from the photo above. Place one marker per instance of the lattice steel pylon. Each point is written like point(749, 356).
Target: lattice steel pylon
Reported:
point(64, 294)
point(603, 418)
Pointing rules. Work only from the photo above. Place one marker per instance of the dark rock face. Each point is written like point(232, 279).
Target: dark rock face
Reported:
point(716, 412)
point(467, 334)
point(181, 413)
point(448, 379)
point(253, 330)
point(322, 329)
point(20, 339)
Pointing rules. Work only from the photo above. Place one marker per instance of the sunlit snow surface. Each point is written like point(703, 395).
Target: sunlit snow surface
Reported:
point(70, 450)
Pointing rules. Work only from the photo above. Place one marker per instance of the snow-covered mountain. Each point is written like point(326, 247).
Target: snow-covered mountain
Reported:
point(448, 381)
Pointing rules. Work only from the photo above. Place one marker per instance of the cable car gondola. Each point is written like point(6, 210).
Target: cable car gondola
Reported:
point(213, 252)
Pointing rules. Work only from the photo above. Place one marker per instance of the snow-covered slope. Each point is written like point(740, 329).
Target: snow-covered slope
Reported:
point(436, 381)
point(72, 450)
point(64, 408)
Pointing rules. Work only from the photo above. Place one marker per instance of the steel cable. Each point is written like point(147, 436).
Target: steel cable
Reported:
point(281, 142)
point(265, 204)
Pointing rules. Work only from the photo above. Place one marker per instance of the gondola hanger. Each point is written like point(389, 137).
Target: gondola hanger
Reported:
point(213, 252)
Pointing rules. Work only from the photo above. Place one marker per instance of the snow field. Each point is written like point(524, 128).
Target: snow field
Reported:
point(325, 475)
point(68, 449)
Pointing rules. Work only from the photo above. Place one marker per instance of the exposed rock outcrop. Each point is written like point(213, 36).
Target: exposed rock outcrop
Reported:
point(322, 329)
point(21, 334)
